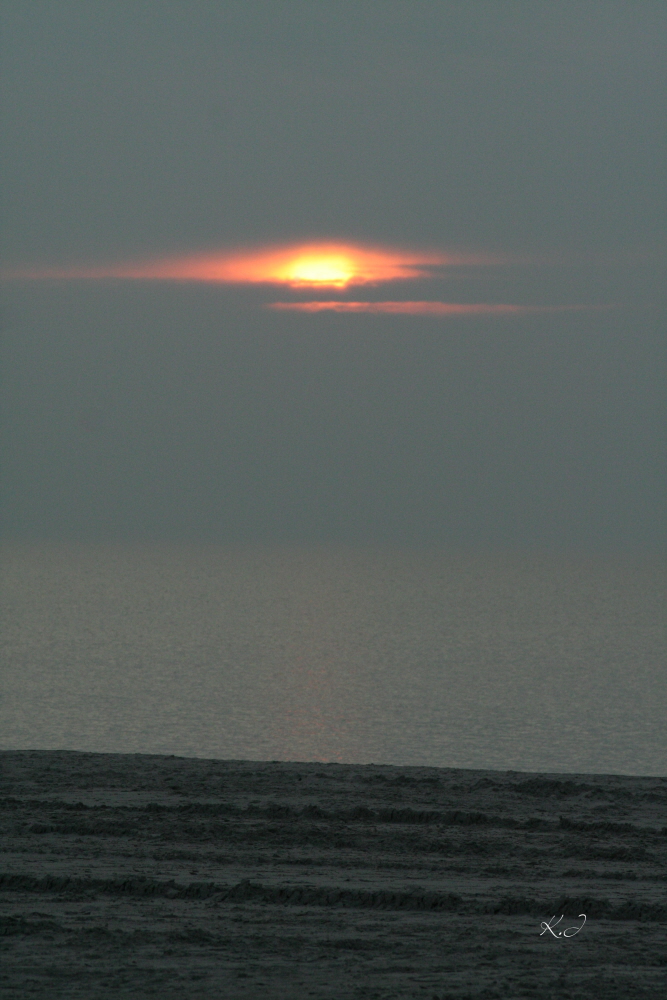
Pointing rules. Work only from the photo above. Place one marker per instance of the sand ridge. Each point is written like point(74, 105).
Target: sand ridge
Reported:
point(139, 875)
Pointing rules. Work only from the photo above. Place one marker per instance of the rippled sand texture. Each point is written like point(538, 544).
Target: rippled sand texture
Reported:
point(139, 876)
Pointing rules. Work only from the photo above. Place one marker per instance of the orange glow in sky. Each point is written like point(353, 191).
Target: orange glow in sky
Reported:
point(428, 308)
point(312, 265)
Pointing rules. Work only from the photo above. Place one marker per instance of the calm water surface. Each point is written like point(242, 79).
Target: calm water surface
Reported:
point(530, 663)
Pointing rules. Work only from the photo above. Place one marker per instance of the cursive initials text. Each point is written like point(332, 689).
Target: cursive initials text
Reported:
point(548, 925)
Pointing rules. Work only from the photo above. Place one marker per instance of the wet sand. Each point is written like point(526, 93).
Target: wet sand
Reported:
point(140, 876)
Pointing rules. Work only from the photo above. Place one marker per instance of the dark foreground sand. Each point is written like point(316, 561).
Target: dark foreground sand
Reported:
point(140, 876)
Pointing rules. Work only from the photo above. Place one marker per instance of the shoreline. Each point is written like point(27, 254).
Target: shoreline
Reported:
point(133, 874)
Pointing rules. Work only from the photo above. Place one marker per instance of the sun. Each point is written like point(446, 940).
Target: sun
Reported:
point(321, 269)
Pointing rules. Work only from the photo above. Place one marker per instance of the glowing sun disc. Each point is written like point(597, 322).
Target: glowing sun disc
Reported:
point(321, 270)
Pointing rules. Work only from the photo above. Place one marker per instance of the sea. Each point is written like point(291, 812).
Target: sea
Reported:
point(502, 661)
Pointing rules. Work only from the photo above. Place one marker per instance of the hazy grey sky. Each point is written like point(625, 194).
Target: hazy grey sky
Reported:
point(532, 130)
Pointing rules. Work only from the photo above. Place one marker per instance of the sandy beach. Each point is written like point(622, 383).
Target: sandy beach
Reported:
point(140, 876)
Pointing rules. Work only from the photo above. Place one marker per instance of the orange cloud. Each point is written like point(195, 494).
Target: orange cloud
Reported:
point(312, 265)
point(419, 308)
